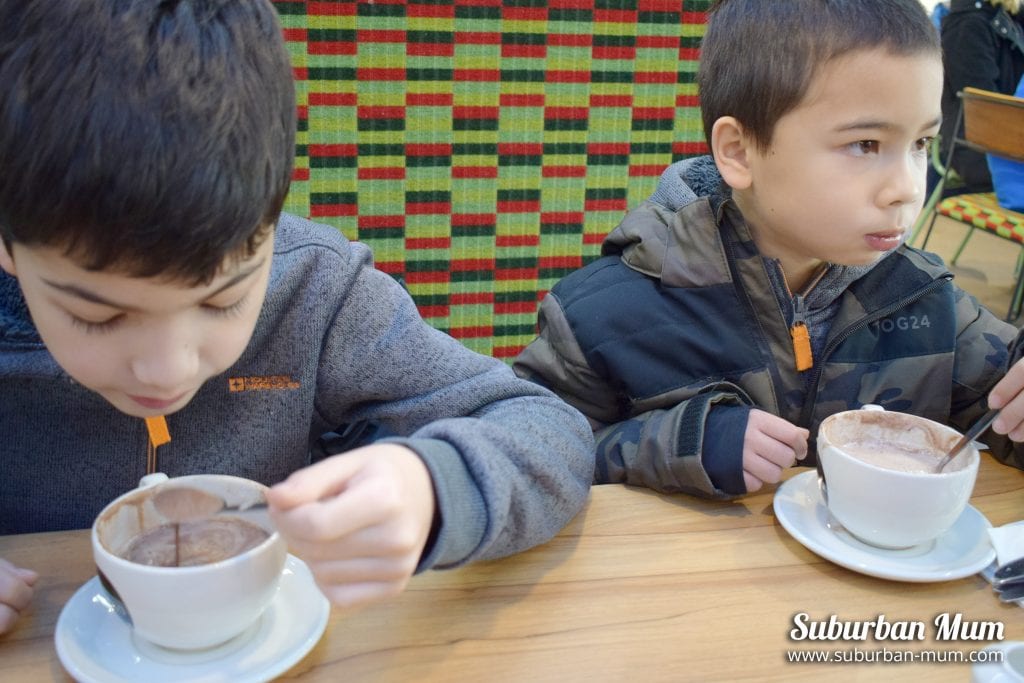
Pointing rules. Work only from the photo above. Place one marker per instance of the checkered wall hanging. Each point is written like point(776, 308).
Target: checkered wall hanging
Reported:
point(483, 149)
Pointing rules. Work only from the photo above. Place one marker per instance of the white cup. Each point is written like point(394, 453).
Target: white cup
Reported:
point(194, 607)
point(1009, 668)
point(886, 507)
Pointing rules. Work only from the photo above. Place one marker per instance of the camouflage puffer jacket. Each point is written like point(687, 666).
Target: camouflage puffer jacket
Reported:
point(681, 315)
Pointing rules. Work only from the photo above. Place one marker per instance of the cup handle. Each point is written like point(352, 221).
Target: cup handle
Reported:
point(152, 480)
point(871, 406)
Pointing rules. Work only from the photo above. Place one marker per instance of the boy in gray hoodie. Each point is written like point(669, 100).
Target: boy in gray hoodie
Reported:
point(767, 286)
point(148, 274)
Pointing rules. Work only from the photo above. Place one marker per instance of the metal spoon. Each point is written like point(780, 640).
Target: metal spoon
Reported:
point(830, 522)
point(821, 481)
point(115, 599)
point(185, 504)
point(973, 433)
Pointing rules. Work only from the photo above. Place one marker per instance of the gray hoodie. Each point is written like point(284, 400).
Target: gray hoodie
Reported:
point(337, 342)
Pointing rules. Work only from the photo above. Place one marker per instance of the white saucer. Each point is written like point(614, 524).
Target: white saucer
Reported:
point(95, 644)
point(963, 550)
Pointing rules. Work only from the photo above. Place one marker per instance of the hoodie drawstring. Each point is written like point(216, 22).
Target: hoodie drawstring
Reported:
point(158, 436)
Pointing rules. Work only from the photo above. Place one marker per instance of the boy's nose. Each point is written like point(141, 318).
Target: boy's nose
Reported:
point(166, 367)
point(903, 185)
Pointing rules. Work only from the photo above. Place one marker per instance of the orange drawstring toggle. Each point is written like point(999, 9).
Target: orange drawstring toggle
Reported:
point(801, 346)
point(158, 436)
point(158, 432)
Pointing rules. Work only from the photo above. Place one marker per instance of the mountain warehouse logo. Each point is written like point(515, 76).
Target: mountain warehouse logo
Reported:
point(262, 383)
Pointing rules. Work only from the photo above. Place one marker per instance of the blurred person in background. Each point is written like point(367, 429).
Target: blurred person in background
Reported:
point(982, 47)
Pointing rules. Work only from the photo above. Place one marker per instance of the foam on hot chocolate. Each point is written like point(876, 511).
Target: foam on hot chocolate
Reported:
point(200, 542)
point(894, 441)
point(899, 457)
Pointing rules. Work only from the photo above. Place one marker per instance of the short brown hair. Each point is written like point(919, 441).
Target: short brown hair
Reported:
point(758, 57)
point(155, 137)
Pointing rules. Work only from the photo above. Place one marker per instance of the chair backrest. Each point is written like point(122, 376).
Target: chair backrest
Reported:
point(483, 149)
point(994, 123)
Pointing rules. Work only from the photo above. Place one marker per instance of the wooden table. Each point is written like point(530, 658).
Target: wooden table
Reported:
point(639, 586)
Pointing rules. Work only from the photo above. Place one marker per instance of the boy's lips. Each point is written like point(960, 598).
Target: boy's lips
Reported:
point(157, 403)
point(885, 240)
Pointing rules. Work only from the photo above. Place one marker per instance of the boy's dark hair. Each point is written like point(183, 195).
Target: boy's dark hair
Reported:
point(154, 137)
point(758, 57)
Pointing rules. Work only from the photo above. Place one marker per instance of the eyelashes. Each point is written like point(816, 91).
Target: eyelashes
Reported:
point(872, 147)
point(96, 328)
point(91, 327)
point(227, 311)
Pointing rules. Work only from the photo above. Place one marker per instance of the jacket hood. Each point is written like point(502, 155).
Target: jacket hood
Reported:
point(674, 235)
point(684, 181)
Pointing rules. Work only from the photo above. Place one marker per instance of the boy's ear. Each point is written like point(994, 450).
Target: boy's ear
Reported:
point(730, 147)
point(6, 260)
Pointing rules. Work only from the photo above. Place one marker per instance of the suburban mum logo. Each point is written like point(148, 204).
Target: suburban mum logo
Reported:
point(262, 383)
point(947, 627)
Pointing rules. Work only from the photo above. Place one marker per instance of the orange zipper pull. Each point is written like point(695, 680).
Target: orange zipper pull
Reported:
point(798, 331)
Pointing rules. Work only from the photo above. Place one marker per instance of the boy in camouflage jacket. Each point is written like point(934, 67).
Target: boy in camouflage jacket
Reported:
point(767, 286)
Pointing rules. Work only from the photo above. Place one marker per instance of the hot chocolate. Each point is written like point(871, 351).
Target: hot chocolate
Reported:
point(895, 441)
point(194, 543)
point(879, 470)
point(202, 605)
point(895, 456)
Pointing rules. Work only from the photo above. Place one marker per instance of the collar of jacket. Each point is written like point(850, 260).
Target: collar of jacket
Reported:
point(956, 6)
point(1004, 25)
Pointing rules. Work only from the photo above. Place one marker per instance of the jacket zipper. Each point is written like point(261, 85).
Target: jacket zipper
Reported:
point(799, 334)
point(812, 389)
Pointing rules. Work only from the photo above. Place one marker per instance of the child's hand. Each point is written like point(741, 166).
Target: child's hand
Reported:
point(15, 593)
point(360, 520)
point(1008, 394)
point(770, 445)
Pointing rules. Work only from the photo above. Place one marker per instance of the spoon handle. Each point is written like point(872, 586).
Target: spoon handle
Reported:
point(1012, 572)
point(970, 435)
point(259, 505)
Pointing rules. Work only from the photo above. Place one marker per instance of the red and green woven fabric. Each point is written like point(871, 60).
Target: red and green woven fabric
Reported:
point(983, 211)
point(483, 149)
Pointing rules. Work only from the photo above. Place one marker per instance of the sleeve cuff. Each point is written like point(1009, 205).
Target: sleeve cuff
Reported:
point(722, 449)
point(460, 515)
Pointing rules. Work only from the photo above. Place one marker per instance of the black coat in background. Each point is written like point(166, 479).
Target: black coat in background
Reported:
point(983, 50)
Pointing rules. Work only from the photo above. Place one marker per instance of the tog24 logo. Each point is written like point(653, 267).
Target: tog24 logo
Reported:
point(902, 323)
